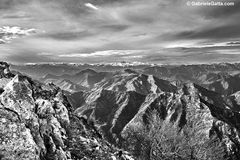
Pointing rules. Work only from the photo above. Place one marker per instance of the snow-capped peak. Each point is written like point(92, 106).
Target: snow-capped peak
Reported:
point(125, 64)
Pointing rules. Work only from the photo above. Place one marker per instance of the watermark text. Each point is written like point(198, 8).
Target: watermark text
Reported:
point(210, 3)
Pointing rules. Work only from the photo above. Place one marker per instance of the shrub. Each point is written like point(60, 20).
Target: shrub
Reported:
point(164, 140)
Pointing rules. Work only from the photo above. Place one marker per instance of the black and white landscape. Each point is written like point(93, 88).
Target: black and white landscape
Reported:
point(119, 80)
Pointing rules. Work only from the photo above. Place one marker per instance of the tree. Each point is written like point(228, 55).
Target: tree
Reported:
point(165, 140)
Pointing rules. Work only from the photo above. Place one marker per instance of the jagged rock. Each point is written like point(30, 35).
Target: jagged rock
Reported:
point(37, 123)
point(39, 126)
point(5, 71)
point(85, 143)
point(16, 140)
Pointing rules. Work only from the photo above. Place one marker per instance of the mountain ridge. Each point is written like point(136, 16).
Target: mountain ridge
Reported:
point(117, 104)
point(36, 123)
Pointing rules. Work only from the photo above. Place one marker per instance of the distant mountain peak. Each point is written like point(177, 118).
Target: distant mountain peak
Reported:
point(89, 70)
point(133, 81)
point(128, 70)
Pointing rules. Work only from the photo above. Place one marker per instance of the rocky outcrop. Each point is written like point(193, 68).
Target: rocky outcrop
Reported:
point(85, 142)
point(34, 120)
point(37, 123)
point(5, 71)
point(5, 75)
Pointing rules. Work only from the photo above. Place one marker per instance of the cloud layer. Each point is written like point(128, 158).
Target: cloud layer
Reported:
point(155, 31)
point(7, 33)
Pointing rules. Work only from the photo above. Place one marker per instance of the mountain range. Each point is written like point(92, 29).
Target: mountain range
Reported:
point(76, 112)
point(37, 122)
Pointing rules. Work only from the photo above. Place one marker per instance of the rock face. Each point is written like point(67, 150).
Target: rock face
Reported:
point(5, 71)
point(37, 123)
point(33, 124)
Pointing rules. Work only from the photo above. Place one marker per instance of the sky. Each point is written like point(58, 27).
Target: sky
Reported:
point(105, 31)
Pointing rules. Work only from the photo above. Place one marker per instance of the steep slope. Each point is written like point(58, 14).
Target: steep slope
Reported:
point(206, 112)
point(115, 101)
point(88, 78)
point(66, 85)
point(85, 79)
point(226, 85)
point(112, 110)
point(36, 122)
point(132, 81)
point(33, 121)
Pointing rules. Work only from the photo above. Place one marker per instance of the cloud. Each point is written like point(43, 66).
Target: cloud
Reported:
point(5, 4)
point(29, 58)
point(108, 30)
point(91, 6)
point(222, 32)
point(8, 33)
point(9, 4)
point(104, 53)
point(222, 11)
point(17, 15)
point(67, 35)
point(114, 27)
point(234, 43)
point(16, 30)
